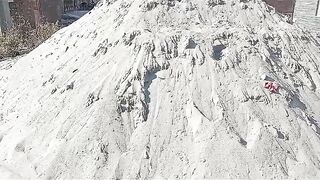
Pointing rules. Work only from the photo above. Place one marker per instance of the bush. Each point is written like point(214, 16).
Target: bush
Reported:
point(23, 38)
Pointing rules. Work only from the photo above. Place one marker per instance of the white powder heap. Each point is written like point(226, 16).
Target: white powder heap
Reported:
point(145, 89)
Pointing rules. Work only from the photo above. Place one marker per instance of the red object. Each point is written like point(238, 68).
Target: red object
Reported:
point(271, 86)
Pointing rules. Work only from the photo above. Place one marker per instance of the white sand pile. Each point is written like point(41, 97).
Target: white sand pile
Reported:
point(165, 89)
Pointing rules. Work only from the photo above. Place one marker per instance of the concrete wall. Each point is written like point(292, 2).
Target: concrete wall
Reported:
point(5, 18)
point(24, 11)
point(37, 11)
point(51, 10)
point(282, 6)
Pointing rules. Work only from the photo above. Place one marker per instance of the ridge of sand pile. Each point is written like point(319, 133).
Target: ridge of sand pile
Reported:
point(165, 89)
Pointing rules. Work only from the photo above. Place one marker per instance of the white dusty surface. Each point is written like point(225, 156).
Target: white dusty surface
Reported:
point(305, 15)
point(165, 89)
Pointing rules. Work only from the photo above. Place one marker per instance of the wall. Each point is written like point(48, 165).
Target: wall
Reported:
point(283, 6)
point(36, 11)
point(23, 11)
point(5, 18)
point(51, 10)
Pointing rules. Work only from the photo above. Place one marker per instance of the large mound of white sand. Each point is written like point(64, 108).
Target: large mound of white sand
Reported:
point(165, 89)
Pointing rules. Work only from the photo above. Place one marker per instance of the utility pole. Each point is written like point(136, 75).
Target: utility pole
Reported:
point(293, 9)
point(5, 18)
point(318, 8)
